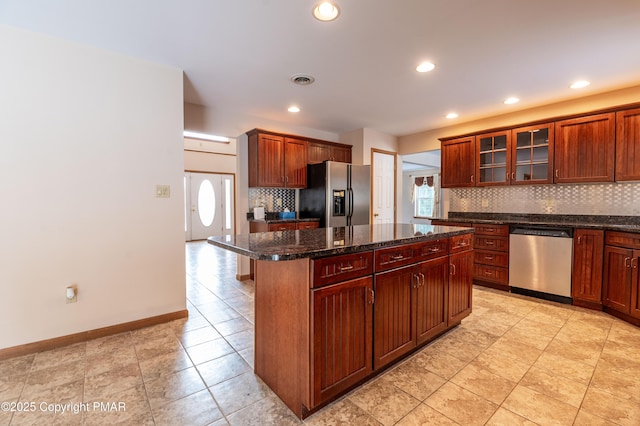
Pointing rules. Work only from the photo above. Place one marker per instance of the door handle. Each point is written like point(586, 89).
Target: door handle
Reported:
point(422, 277)
point(634, 263)
point(472, 181)
point(627, 262)
point(453, 269)
point(372, 297)
point(557, 173)
point(376, 215)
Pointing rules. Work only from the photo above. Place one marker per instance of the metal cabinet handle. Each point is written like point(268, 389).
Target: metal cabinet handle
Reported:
point(472, 181)
point(557, 173)
point(513, 175)
point(627, 262)
point(487, 257)
point(397, 257)
point(634, 263)
point(346, 268)
point(489, 243)
point(372, 297)
point(488, 272)
point(416, 281)
point(580, 240)
point(421, 276)
point(453, 269)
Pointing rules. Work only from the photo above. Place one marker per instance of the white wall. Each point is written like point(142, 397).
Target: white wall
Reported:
point(85, 135)
point(207, 156)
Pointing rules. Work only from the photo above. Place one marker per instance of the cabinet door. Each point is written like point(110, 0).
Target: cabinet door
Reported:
point(628, 145)
point(270, 161)
point(393, 325)
point(588, 248)
point(318, 152)
point(617, 278)
point(635, 284)
point(460, 286)
point(585, 149)
point(295, 163)
point(458, 163)
point(342, 322)
point(532, 155)
point(342, 154)
point(430, 301)
point(493, 158)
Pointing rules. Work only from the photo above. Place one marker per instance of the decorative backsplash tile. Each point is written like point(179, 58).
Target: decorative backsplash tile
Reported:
point(273, 199)
point(585, 199)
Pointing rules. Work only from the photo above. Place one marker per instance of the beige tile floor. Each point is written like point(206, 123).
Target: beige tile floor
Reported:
point(514, 361)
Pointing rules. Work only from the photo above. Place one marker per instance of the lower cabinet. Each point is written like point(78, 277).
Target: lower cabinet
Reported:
point(460, 286)
point(586, 281)
point(621, 285)
point(342, 337)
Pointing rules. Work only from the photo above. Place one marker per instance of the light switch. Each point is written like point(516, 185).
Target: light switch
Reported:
point(163, 191)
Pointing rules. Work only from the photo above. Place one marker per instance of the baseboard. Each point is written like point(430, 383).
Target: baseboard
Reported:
point(56, 342)
point(503, 287)
point(596, 306)
point(628, 318)
point(243, 277)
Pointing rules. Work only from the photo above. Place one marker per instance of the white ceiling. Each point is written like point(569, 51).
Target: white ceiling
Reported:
point(238, 55)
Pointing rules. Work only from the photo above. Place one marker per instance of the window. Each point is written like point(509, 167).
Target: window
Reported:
point(424, 200)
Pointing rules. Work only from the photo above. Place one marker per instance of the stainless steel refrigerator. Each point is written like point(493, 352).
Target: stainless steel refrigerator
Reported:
point(337, 193)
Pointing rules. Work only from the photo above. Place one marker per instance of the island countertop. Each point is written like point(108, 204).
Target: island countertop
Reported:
point(320, 242)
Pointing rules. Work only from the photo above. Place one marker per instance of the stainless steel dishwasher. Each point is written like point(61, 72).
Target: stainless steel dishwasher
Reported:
point(540, 261)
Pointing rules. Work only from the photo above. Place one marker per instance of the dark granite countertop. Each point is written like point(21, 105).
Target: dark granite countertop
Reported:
point(320, 242)
point(285, 220)
point(613, 223)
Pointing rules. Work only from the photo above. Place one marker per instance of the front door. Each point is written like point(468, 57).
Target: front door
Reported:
point(384, 187)
point(209, 205)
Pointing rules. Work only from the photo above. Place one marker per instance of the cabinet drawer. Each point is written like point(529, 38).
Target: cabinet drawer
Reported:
point(394, 257)
point(330, 270)
point(499, 230)
point(491, 243)
point(494, 274)
point(491, 258)
point(461, 243)
point(308, 225)
point(285, 226)
point(437, 222)
point(622, 239)
point(433, 249)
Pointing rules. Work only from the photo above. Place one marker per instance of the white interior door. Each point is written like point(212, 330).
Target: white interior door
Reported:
point(209, 205)
point(384, 190)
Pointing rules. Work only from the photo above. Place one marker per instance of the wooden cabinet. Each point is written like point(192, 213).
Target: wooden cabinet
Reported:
point(308, 224)
point(342, 337)
point(628, 145)
point(276, 161)
point(491, 256)
point(585, 149)
point(494, 155)
point(458, 166)
point(460, 286)
point(532, 155)
point(259, 226)
point(420, 293)
point(586, 280)
point(317, 152)
point(621, 286)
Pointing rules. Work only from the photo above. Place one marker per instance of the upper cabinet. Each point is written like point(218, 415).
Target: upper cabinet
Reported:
point(492, 166)
point(458, 162)
point(585, 149)
point(532, 154)
point(276, 161)
point(628, 145)
point(600, 147)
point(317, 152)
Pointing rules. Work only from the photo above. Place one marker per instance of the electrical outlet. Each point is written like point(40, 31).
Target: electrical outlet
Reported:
point(71, 290)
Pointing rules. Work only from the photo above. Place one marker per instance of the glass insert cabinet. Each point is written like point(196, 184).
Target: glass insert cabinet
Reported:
point(513, 157)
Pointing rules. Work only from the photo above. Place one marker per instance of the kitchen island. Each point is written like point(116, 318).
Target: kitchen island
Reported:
point(336, 306)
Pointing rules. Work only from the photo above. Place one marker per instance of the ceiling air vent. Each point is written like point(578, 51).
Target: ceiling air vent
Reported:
point(302, 79)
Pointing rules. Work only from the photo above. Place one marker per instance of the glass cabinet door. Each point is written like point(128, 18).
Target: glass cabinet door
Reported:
point(532, 154)
point(493, 160)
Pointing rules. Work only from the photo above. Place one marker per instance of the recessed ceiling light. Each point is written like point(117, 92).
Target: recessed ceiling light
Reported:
point(425, 67)
point(580, 84)
point(452, 115)
point(326, 11)
point(511, 100)
point(293, 108)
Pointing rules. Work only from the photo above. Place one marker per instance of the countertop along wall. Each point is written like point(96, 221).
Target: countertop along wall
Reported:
point(86, 136)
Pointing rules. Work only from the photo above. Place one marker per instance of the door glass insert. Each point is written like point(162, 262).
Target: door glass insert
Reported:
point(228, 204)
point(206, 203)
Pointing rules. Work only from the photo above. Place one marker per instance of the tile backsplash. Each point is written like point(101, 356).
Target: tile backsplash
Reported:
point(273, 199)
point(584, 199)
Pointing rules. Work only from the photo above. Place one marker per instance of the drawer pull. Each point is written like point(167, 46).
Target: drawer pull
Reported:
point(434, 249)
point(462, 244)
point(489, 243)
point(397, 257)
point(487, 257)
point(488, 272)
point(346, 268)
